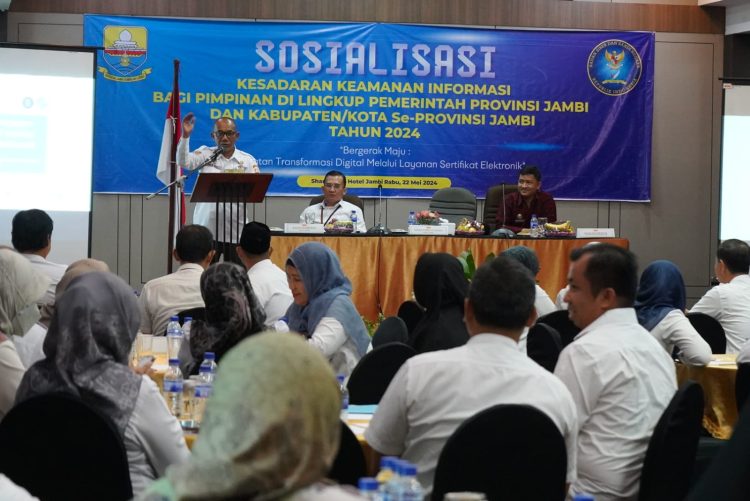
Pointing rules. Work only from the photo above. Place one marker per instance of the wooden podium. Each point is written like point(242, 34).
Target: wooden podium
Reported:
point(231, 189)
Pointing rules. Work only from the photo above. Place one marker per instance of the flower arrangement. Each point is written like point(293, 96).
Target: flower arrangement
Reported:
point(428, 217)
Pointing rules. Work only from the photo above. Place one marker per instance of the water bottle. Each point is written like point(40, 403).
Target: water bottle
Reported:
point(412, 218)
point(583, 497)
point(385, 474)
point(207, 369)
point(173, 387)
point(392, 490)
point(186, 325)
point(203, 390)
point(368, 488)
point(354, 220)
point(534, 225)
point(344, 397)
point(411, 489)
point(174, 337)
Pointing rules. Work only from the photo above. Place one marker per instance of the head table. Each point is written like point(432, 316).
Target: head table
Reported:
point(381, 269)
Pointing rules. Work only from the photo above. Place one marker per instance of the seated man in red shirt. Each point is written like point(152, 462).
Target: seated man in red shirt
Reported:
point(527, 201)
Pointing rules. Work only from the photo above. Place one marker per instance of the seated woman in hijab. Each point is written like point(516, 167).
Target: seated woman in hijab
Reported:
point(542, 302)
point(660, 306)
point(232, 314)
point(440, 288)
point(271, 429)
point(87, 347)
point(323, 310)
point(20, 287)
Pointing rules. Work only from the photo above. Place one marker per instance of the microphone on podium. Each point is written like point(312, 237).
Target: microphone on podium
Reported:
point(379, 229)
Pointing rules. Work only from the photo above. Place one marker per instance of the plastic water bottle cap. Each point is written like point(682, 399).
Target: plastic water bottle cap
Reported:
point(209, 355)
point(583, 497)
point(387, 462)
point(408, 469)
point(340, 378)
point(188, 319)
point(174, 361)
point(174, 318)
point(368, 484)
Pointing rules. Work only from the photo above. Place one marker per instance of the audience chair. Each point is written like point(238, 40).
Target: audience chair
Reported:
point(543, 345)
point(411, 314)
point(711, 330)
point(352, 199)
point(493, 201)
point(198, 313)
point(668, 465)
point(349, 465)
point(372, 375)
point(454, 204)
point(507, 452)
point(390, 330)
point(59, 448)
point(564, 326)
point(742, 385)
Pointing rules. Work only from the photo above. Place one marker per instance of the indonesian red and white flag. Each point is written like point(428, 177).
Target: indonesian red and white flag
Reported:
point(170, 138)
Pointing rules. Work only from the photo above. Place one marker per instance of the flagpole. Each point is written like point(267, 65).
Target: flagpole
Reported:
point(175, 190)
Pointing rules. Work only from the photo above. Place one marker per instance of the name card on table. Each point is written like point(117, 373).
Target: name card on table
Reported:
point(314, 228)
point(595, 233)
point(432, 229)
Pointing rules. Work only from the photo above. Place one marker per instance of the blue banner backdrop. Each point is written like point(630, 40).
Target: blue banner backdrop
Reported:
point(415, 108)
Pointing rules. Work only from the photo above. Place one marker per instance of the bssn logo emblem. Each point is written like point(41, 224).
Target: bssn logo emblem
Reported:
point(125, 53)
point(614, 67)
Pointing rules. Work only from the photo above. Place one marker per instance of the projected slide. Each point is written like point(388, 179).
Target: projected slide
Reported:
point(735, 165)
point(46, 138)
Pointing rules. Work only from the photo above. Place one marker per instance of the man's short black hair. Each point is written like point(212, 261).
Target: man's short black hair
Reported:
point(502, 294)
point(193, 243)
point(735, 254)
point(334, 173)
point(31, 230)
point(610, 266)
point(531, 170)
point(256, 238)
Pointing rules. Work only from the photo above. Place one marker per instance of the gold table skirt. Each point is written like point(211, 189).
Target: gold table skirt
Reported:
point(381, 269)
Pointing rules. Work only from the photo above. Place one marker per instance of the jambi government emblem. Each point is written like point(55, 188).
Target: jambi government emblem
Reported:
point(614, 67)
point(125, 52)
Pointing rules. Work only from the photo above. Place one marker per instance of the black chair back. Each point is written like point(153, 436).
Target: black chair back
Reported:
point(411, 314)
point(710, 329)
point(198, 313)
point(507, 452)
point(59, 448)
point(543, 345)
point(454, 204)
point(372, 375)
point(493, 201)
point(668, 465)
point(390, 330)
point(352, 199)
point(742, 385)
point(564, 326)
point(349, 465)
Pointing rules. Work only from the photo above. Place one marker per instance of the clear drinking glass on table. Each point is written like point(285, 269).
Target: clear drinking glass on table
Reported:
point(542, 222)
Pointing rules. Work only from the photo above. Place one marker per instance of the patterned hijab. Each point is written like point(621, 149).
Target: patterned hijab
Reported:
point(232, 311)
point(271, 427)
point(328, 292)
point(75, 269)
point(660, 291)
point(20, 287)
point(87, 348)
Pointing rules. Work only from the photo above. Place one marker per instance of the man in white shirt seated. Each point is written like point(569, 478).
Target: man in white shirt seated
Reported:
point(620, 377)
point(268, 280)
point(433, 393)
point(168, 295)
point(729, 302)
point(31, 235)
point(333, 207)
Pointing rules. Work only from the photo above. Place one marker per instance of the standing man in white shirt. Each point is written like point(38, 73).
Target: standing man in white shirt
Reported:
point(729, 302)
point(229, 159)
point(31, 235)
point(268, 280)
point(163, 297)
point(333, 207)
point(620, 377)
point(433, 393)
